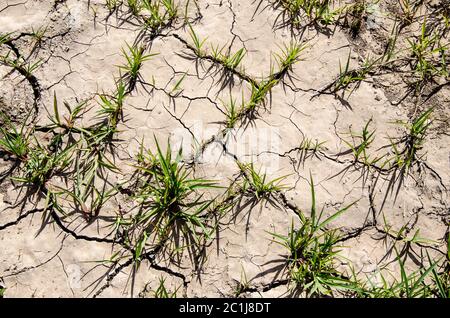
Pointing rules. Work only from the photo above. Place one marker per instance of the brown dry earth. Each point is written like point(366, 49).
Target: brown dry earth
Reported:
point(78, 56)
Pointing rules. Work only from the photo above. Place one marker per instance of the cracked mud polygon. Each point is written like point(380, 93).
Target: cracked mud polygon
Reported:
point(158, 148)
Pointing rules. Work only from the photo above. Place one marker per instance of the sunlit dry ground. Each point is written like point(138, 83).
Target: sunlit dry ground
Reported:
point(355, 104)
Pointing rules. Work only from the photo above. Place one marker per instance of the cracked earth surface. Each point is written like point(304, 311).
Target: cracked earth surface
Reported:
point(46, 252)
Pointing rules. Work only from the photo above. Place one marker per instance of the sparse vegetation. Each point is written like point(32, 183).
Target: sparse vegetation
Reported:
point(75, 150)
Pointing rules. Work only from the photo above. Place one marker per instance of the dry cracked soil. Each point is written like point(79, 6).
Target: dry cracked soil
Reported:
point(268, 102)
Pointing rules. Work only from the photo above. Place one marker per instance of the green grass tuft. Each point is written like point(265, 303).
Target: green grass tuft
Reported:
point(312, 251)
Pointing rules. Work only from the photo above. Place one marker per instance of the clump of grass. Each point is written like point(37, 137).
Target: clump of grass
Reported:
point(445, 13)
point(312, 252)
point(171, 8)
point(409, 9)
point(198, 43)
point(257, 183)
point(361, 143)
point(87, 198)
point(410, 285)
point(389, 51)
point(159, 13)
point(425, 51)
point(176, 90)
point(233, 112)
point(112, 107)
point(135, 6)
point(135, 57)
point(316, 11)
point(112, 5)
point(308, 148)
point(402, 234)
point(14, 141)
point(259, 93)
point(39, 33)
point(288, 56)
point(30, 67)
point(228, 60)
point(349, 76)
point(308, 144)
point(5, 37)
point(357, 12)
point(412, 141)
point(67, 122)
point(90, 189)
point(233, 61)
point(162, 292)
point(170, 200)
point(41, 164)
point(242, 285)
point(22, 66)
point(441, 280)
point(92, 158)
